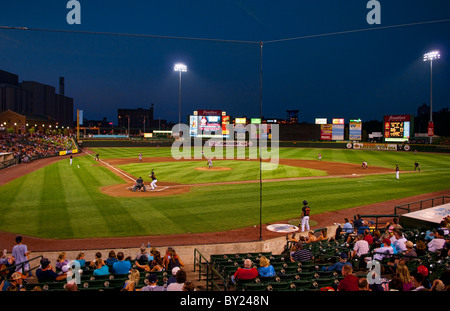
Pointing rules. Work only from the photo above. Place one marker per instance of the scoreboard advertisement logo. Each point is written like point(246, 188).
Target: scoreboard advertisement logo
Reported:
point(397, 128)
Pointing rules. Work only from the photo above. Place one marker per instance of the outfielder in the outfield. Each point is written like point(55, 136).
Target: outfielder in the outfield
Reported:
point(305, 216)
point(154, 180)
point(397, 172)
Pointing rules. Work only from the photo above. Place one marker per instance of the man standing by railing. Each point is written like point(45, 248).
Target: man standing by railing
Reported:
point(20, 253)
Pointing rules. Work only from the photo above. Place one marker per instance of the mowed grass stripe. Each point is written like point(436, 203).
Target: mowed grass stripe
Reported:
point(90, 213)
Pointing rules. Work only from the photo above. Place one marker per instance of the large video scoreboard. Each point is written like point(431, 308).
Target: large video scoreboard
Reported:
point(397, 128)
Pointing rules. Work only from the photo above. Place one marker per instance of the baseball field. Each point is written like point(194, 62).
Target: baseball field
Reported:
point(91, 199)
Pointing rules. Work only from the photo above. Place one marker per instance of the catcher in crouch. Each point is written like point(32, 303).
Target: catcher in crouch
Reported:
point(138, 185)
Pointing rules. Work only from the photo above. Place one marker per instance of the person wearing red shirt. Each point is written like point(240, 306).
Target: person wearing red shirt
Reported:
point(350, 281)
point(246, 273)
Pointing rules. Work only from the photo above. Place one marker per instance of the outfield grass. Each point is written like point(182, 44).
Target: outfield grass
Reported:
point(62, 201)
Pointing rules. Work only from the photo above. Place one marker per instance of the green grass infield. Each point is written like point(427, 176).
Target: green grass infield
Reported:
point(62, 202)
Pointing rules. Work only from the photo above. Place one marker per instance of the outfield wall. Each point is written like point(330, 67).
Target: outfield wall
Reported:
point(288, 144)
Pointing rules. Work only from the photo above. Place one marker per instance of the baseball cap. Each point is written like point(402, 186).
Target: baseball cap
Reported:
point(152, 278)
point(409, 244)
point(422, 270)
point(344, 256)
point(16, 276)
point(387, 242)
point(175, 270)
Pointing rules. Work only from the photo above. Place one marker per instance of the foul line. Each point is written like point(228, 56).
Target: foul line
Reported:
point(109, 165)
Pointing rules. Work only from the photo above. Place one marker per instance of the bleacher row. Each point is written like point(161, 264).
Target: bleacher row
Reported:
point(91, 282)
point(309, 276)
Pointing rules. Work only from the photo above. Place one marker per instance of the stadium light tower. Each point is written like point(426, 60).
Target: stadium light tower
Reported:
point(179, 68)
point(430, 57)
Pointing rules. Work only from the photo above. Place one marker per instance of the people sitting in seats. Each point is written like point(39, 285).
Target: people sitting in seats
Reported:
point(248, 272)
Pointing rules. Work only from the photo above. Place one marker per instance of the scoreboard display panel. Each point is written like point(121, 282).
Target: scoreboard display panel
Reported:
point(397, 128)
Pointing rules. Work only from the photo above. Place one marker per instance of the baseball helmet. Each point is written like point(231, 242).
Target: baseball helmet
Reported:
point(305, 202)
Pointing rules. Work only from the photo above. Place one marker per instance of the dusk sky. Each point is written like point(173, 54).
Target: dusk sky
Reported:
point(364, 74)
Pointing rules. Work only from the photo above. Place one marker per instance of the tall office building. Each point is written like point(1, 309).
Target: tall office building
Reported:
point(34, 98)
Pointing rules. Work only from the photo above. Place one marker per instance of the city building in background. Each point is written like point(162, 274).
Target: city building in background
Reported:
point(38, 103)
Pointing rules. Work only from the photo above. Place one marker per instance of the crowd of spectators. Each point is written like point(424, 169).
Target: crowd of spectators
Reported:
point(28, 147)
point(130, 268)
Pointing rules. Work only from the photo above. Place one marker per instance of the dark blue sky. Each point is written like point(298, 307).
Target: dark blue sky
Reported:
point(365, 74)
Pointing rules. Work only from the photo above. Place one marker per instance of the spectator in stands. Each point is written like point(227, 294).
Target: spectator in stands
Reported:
point(364, 226)
point(358, 222)
point(265, 268)
point(98, 257)
point(398, 241)
point(361, 247)
point(81, 260)
point(376, 241)
point(132, 283)
point(142, 256)
point(394, 225)
point(248, 272)
point(152, 284)
point(437, 286)
point(112, 258)
point(350, 281)
point(173, 277)
point(46, 273)
point(402, 272)
point(302, 254)
point(417, 280)
point(101, 268)
point(178, 285)
point(438, 242)
point(121, 266)
point(384, 251)
point(368, 237)
point(20, 253)
point(395, 284)
point(15, 281)
point(311, 237)
point(323, 235)
point(444, 228)
point(61, 261)
point(71, 286)
point(410, 253)
point(426, 277)
point(343, 257)
point(421, 248)
point(173, 260)
point(363, 285)
point(155, 265)
point(348, 227)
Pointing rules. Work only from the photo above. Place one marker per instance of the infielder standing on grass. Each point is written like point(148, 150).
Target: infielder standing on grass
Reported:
point(154, 180)
point(305, 216)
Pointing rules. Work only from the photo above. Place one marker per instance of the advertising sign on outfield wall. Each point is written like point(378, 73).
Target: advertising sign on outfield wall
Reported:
point(371, 146)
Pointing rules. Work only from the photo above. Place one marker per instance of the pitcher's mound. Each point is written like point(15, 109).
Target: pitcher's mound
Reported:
point(213, 168)
point(163, 189)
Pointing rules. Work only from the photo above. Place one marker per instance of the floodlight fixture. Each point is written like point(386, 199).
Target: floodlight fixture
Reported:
point(431, 56)
point(180, 67)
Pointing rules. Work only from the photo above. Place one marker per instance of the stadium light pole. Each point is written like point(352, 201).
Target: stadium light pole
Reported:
point(430, 57)
point(179, 68)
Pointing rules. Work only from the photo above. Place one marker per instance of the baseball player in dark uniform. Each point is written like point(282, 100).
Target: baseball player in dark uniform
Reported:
point(305, 216)
point(416, 166)
point(154, 180)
